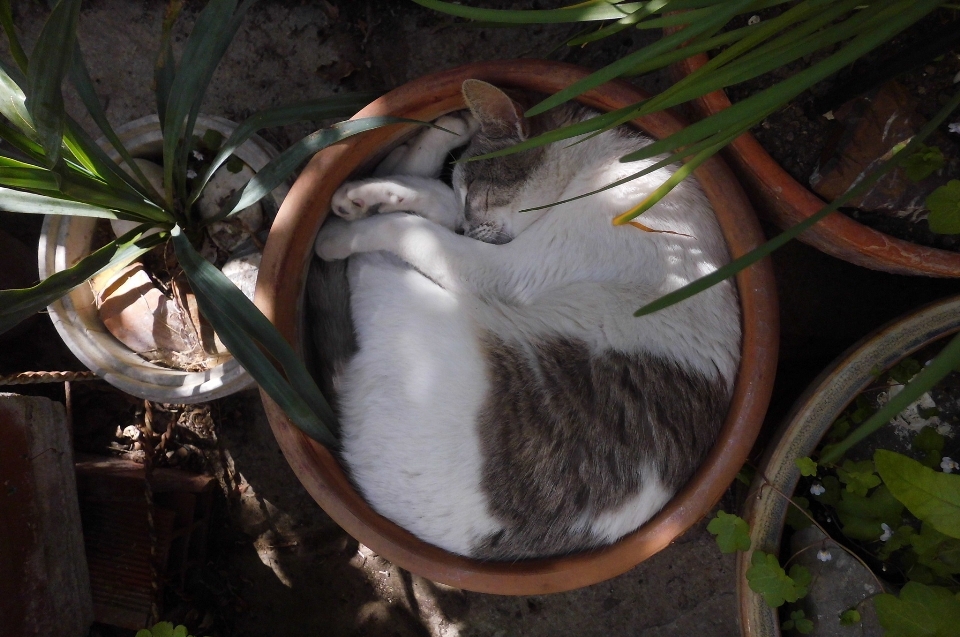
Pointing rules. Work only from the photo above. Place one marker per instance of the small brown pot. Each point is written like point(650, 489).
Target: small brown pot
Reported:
point(785, 202)
point(280, 291)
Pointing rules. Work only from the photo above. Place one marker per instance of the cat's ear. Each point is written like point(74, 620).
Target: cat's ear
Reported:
point(499, 116)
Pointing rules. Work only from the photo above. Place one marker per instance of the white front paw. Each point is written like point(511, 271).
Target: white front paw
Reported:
point(360, 199)
point(335, 240)
point(463, 124)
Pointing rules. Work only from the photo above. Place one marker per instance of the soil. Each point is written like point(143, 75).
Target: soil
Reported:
point(803, 140)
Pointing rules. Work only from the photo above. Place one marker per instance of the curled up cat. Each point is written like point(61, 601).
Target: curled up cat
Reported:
point(497, 397)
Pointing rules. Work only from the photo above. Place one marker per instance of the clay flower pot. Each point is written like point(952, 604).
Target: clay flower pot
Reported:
point(784, 201)
point(808, 422)
point(280, 291)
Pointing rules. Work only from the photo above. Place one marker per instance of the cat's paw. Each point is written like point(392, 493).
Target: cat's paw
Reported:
point(462, 124)
point(334, 241)
point(360, 199)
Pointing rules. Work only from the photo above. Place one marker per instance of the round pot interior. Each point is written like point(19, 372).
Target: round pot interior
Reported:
point(808, 422)
point(65, 240)
point(783, 200)
point(279, 294)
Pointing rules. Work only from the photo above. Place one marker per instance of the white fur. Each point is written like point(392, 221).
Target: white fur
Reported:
point(414, 388)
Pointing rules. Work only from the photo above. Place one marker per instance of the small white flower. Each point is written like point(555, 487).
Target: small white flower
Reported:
point(954, 128)
point(191, 173)
point(949, 465)
point(197, 155)
point(824, 555)
point(817, 489)
point(755, 19)
point(887, 532)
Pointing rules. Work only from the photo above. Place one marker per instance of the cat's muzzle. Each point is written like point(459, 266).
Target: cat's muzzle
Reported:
point(489, 233)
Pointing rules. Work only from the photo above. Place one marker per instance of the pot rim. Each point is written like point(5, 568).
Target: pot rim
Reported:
point(805, 425)
point(787, 203)
point(279, 295)
point(90, 341)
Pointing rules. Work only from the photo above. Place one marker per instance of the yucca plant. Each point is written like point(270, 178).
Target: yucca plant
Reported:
point(49, 165)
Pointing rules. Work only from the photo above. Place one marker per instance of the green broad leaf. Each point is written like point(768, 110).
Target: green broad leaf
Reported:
point(807, 466)
point(832, 490)
point(933, 497)
point(51, 59)
point(732, 531)
point(944, 206)
point(767, 578)
point(920, 611)
point(937, 552)
point(143, 632)
point(581, 12)
point(746, 474)
point(863, 516)
point(16, 50)
point(180, 631)
point(839, 429)
point(798, 621)
point(312, 110)
point(244, 329)
point(18, 304)
point(235, 164)
point(905, 370)
point(923, 163)
point(859, 477)
point(281, 167)
point(900, 538)
point(212, 140)
point(850, 617)
point(929, 440)
point(796, 519)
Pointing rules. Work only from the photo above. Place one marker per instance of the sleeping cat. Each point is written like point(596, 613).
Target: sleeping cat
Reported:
point(500, 400)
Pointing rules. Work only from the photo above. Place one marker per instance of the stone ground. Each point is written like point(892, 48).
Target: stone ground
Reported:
point(279, 565)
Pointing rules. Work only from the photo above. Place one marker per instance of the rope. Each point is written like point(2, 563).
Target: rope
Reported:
point(32, 378)
point(147, 446)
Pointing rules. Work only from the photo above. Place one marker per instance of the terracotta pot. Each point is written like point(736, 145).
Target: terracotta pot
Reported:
point(279, 294)
point(808, 422)
point(785, 202)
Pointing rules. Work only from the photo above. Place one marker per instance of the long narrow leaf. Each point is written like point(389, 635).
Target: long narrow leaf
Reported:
point(6, 20)
point(31, 203)
point(200, 52)
point(764, 250)
point(323, 108)
point(80, 77)
point(582, 12)
point(946, 361)
point(12, 102)
point(165, 69)
point(277, 171)
point(241, 326)
point(49, 64)
point(721, 15)
point(16, 305)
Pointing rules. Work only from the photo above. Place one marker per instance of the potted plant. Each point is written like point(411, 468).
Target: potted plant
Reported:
point(892, 512)
point(51, 166)
point(691, 29)
point(280, 296)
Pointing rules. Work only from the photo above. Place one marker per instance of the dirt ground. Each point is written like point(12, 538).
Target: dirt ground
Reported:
point(277, 564)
